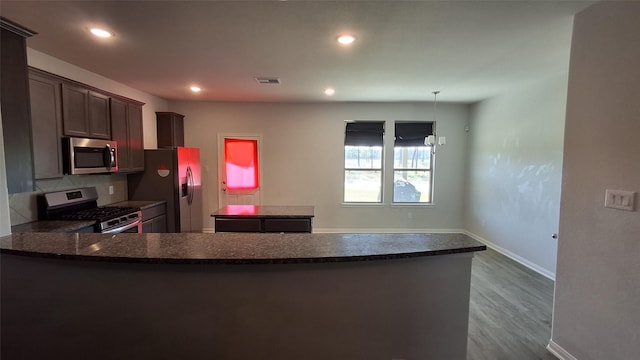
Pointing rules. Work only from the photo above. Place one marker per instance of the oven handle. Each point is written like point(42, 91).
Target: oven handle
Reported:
point(124, 227)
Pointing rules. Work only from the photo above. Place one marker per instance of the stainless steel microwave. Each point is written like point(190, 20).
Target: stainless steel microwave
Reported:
point(89, 156)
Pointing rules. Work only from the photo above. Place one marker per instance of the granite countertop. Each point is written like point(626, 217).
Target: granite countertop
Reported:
point(236, 248)
point(260, 211)
point(139, 204)
point(52, 226)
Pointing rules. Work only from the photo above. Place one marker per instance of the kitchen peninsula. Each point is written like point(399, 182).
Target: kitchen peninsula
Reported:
point(235, 296)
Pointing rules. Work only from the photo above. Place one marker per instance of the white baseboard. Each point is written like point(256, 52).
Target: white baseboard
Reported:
point(387, 231)
point(542, 271)
point(559, 352)
point(208, 230)
point(211, 230)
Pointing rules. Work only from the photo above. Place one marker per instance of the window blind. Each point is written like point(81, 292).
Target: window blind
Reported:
point(364, 133)
point(412, 133)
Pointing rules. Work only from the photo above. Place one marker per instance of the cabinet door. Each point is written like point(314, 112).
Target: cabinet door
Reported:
point(119, 132)
point(155, 225)
point(136, 138)
point(287, 225)
point(75, 103)
point(99, 120)
point(126, 129)
point(170, 129)
point(147, 226)
point(16, 123)
point(46, 125)
point(238, 225)
point(159, 224)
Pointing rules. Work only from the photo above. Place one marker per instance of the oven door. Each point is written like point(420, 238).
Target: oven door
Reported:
point(134, 227)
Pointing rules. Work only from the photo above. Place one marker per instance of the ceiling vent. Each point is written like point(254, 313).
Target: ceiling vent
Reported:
point(268, 80)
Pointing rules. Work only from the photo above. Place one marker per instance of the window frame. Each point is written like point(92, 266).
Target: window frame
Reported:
point(388, 169)
point(429, 130)
point(380, 170)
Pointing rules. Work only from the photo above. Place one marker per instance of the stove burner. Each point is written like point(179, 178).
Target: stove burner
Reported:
point(100, 213)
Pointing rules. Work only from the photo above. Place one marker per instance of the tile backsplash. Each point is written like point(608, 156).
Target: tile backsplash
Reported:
point(23, 208)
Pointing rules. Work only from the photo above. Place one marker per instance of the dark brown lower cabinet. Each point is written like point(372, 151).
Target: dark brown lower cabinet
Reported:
point(263, 225)
point(154, 219)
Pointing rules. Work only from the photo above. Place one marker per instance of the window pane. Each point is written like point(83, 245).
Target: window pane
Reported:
point(362, 186)
point(363, 157)
point(412, 157)
point(241, 164)
point(412, 186)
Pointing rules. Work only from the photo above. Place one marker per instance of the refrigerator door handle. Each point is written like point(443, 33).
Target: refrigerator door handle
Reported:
point(191, 184)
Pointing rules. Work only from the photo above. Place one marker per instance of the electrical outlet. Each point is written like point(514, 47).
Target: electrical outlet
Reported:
point(110, 189)
point(619, 199)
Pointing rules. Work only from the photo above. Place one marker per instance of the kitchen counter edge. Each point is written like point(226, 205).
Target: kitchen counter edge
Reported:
point(236, 248)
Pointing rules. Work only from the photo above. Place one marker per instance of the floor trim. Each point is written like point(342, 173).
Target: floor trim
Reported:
point(208, 230)
point(544, 272)
point(211, 230)
point(559, 352)
point(388, 231)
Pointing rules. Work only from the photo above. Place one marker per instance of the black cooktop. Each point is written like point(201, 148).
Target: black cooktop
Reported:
point(102, 213)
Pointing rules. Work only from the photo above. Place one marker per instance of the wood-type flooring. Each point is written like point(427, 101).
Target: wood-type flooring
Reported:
point(510, 310)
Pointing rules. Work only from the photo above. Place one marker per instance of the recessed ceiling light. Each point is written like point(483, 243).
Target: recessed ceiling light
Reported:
point(101, 33)
point(346, 39)
point(195, 89)
point(329, 91)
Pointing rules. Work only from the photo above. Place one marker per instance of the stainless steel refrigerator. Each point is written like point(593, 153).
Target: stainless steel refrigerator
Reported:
point(172, 175)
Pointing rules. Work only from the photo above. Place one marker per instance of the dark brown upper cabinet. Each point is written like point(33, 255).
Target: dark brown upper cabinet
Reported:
point(14, 101)
point(85, 112)
point(46, 124)
point(170, 128)
point(126, 129)
point(81, 115)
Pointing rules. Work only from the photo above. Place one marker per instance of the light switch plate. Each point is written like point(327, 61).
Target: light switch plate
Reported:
point(619, 199)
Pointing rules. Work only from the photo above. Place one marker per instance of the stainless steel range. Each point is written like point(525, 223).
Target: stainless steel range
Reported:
point(82, 204)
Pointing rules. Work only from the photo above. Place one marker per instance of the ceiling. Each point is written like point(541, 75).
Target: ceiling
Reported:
point(405, 50)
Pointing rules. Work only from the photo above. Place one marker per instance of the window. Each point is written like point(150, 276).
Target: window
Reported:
point(412, 163)
point(241, 164)
point(363, 161)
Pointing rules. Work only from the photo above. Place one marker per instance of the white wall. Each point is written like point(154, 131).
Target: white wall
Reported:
point(302, 159)
point(56, 66)
point(597, 299)
point(515, 164)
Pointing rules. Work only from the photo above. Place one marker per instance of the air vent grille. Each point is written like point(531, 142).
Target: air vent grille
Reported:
point(268, 80)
